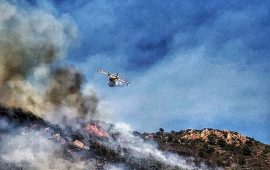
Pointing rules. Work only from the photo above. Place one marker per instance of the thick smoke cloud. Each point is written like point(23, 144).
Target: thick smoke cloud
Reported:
point(29, 39)
point(65, 90)
point(32, 41)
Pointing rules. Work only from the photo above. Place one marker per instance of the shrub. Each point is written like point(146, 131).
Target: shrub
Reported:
point(223, 162)
point(201, 153)
point(241, 160)
point(249, 143)
point(221, 142)
point(229, 147)
point(212, 139)
point(246, 150)
point(170, 139)
point(266, 149)
point(209, 150)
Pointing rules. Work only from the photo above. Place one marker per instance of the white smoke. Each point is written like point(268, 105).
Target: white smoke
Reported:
point(141, 149)
point(38, 152)
point(114, 167)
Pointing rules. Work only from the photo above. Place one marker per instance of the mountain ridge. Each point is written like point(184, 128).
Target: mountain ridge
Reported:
point(205, 149)
point(223, 148)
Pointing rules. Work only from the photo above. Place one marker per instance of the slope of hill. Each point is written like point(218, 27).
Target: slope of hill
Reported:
point(221, 148)
point(29, 142)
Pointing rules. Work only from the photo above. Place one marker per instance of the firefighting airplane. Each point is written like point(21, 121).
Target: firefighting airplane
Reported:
point(114, 79)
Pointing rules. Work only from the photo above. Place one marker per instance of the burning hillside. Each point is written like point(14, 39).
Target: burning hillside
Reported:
point(29, 142)
point(26, 139)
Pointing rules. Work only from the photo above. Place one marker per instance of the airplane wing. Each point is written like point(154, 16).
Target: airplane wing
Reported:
point(103, 72)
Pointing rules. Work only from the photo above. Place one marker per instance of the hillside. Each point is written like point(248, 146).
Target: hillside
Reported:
point(29, 142)
point(222, 148)
point(97, 145)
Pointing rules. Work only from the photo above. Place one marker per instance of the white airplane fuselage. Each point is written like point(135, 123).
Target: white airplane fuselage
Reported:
point(114, 82)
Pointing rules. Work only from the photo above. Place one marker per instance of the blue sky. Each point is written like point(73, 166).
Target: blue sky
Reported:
point(192, 64)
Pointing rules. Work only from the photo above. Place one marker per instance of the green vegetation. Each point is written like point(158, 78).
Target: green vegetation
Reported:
point(229, 147)
point(266, 149)
point(212, 139)
point(221, 142)
point(222, 161)
point(246, 150)
point(216, 148)
point(241, 160)
point(201, 153)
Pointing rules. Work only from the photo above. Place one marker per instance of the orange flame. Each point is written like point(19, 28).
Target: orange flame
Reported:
point(94, 130)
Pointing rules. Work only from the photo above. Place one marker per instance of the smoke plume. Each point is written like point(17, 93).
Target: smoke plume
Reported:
point(31, 42)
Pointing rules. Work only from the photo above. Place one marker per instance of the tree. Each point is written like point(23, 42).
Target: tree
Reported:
point(212, 139)
point(161, 130)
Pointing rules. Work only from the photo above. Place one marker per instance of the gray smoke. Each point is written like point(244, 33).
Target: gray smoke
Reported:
point(65, 91)
point(31, 41)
